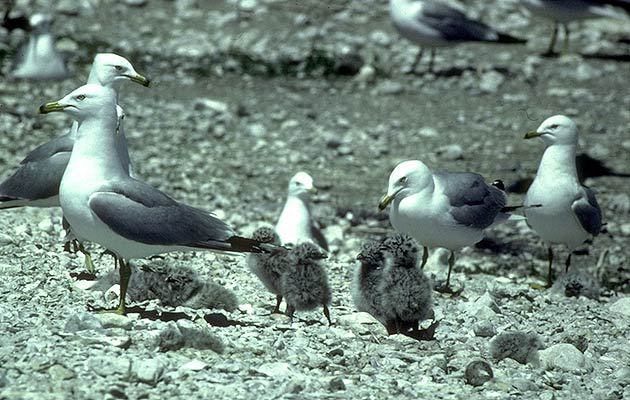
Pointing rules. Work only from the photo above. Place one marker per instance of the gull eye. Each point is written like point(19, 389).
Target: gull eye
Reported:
point(80, 97)
point(118, 67)
point(554, 126)
point(402, 180)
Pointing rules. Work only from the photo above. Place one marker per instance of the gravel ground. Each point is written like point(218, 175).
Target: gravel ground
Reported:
point(242, 101)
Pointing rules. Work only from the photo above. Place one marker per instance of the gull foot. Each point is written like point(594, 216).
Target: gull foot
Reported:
point(443, 287)
point(424, 334)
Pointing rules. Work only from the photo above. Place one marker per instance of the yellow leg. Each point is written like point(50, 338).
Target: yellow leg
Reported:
point(125, 274)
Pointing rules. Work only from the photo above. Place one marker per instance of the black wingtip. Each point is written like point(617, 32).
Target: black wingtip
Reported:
point(245, 245)
point(499, 184)
point(509, 39)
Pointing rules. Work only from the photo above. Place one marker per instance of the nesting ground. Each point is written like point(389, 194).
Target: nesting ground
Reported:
point(243, 101)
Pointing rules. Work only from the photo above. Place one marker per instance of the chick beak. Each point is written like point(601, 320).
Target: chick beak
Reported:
point(532, 134)
point(140, 79)
point(51, 107)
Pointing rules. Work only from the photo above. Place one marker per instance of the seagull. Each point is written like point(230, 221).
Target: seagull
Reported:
point(35, 182)
point(38, 59)
point(562, 12)
point(296, 224)
point(434, 24)
point(128, 217)
point(442, 209)
point(569, 214)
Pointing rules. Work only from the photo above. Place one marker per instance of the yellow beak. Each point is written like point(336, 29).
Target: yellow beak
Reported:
point(385, 200)
point(144, 81)
point(532, 134)
point(51, 107)
point(312, 190)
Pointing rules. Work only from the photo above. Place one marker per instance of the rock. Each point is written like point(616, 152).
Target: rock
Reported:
point(484, 308)
point(83, 321)
point(194, 365)
point(113, 320)
point(621, 306)
point(478, 372)
point(484, 328)
point(427, 131)
point(135, 3)
point(60, 373)
point(216, 107)
point(450, 152)
point(389, 88)
point(336, 384)
point(519, 346)
point(491, 81)
point(109, 366)
point(5, 239)
point(148, 370)
point(562, 356)
point(275, 370)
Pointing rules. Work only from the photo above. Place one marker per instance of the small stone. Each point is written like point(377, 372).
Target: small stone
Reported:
point(491, 81)
point(478, 372)
point(5, 239)
point(83, 321)
point(46, 225)
point(621, 306)
point(389, 88)
point(484, 328)
point(336, 384)
point(562, 356)
point(60, 373)
point(113, 320)
point(427, 131)
point(216, 107)
point(194, 365)
point(135, 3)
point(148, 371)
point(275, 370)
point(451, 152)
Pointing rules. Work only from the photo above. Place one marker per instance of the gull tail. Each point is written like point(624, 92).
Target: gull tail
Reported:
point(509, 39)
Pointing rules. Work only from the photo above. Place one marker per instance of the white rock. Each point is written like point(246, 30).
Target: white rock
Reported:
point(148, 371)
point(5, 239)
point(194, 365)
point(275, 370)
point(112, 320)
point(621, 306)
point(562, 356)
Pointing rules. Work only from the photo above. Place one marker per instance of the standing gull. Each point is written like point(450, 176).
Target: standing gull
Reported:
point(38, 58)
point(296, 224)
point(128, 217)
point(563, 12)
point(442, 209)
point(434, 24)
point(569, 213)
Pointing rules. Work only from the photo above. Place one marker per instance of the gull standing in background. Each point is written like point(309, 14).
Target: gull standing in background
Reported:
point(38, 59)
point(35, 182)
point(562, 12)
point(434, 24)
point(569, 213)
point(442, 209)
point(296, 224)
point(128, 217)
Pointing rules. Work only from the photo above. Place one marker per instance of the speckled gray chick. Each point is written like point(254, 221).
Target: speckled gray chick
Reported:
point(406, 290)
point(305, 285)
point(268, 267)
point(366, 282)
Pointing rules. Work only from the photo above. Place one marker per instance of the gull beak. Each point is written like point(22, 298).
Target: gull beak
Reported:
point(532, 134)
point(142, 80)
point(312, 190)
point(385, 200)
point(51, 107)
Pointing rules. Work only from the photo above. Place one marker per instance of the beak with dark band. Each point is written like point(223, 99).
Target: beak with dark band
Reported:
point(532, 134)
point(139, 79)
point(51, 107)
point(385, 200)
point(312, 190)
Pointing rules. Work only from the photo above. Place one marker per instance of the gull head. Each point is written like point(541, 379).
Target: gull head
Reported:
point(110, 69)
point(407, 178)
point(308, 251)
point(88, 101)
point(556, 130)
point(301, 185)
point(40, 22)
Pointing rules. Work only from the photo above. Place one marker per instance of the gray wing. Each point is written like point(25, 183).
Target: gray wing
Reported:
point(35, 180)
point(59, 144)
point(473, 202)
point(588, 212)
point(139, 212)
point(319, 237)
point(453, 24)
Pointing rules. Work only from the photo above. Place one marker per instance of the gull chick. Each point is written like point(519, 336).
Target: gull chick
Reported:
point(563, 12)
point(126, 216)
point(434, 24)
point(442, 209)
point(406, 290)
point(305, 284)
point(296, 224)
point(569, 214)
point(38, 59)
point(366, 292)
point(268, 267)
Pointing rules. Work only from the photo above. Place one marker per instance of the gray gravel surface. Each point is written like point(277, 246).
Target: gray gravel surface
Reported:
point(243, 100)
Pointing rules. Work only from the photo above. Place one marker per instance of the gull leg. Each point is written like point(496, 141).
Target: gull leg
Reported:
point(290, 311)
point(565, 48)
point(550, 270)
point(125, 274)
point(431, 60)
point(446, 287)
point(89, 265)
point(425, 256)
point(278, 301)
point(327, 314)
point(416, 61)
point(451, 262)
point(552, 43)
point(567, 263)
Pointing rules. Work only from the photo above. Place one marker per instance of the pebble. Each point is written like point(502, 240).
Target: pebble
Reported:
point(194, 365)
point(562, 356)
point(491, 81)
point(113, 320)
point(388, 88)
point(60, 373)
point(275, 370)
point(83, 321)
point(336, 384)
point(450, 152)
point(5, 239)
point(148, 370)
point(621, 306)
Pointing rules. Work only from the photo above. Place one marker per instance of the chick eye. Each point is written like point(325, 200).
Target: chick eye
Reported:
point(81, 97)
point(118, 67)
point(403, 179)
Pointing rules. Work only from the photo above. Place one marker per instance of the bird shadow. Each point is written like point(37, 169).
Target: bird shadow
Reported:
point(607, 56)
point(83, 276)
